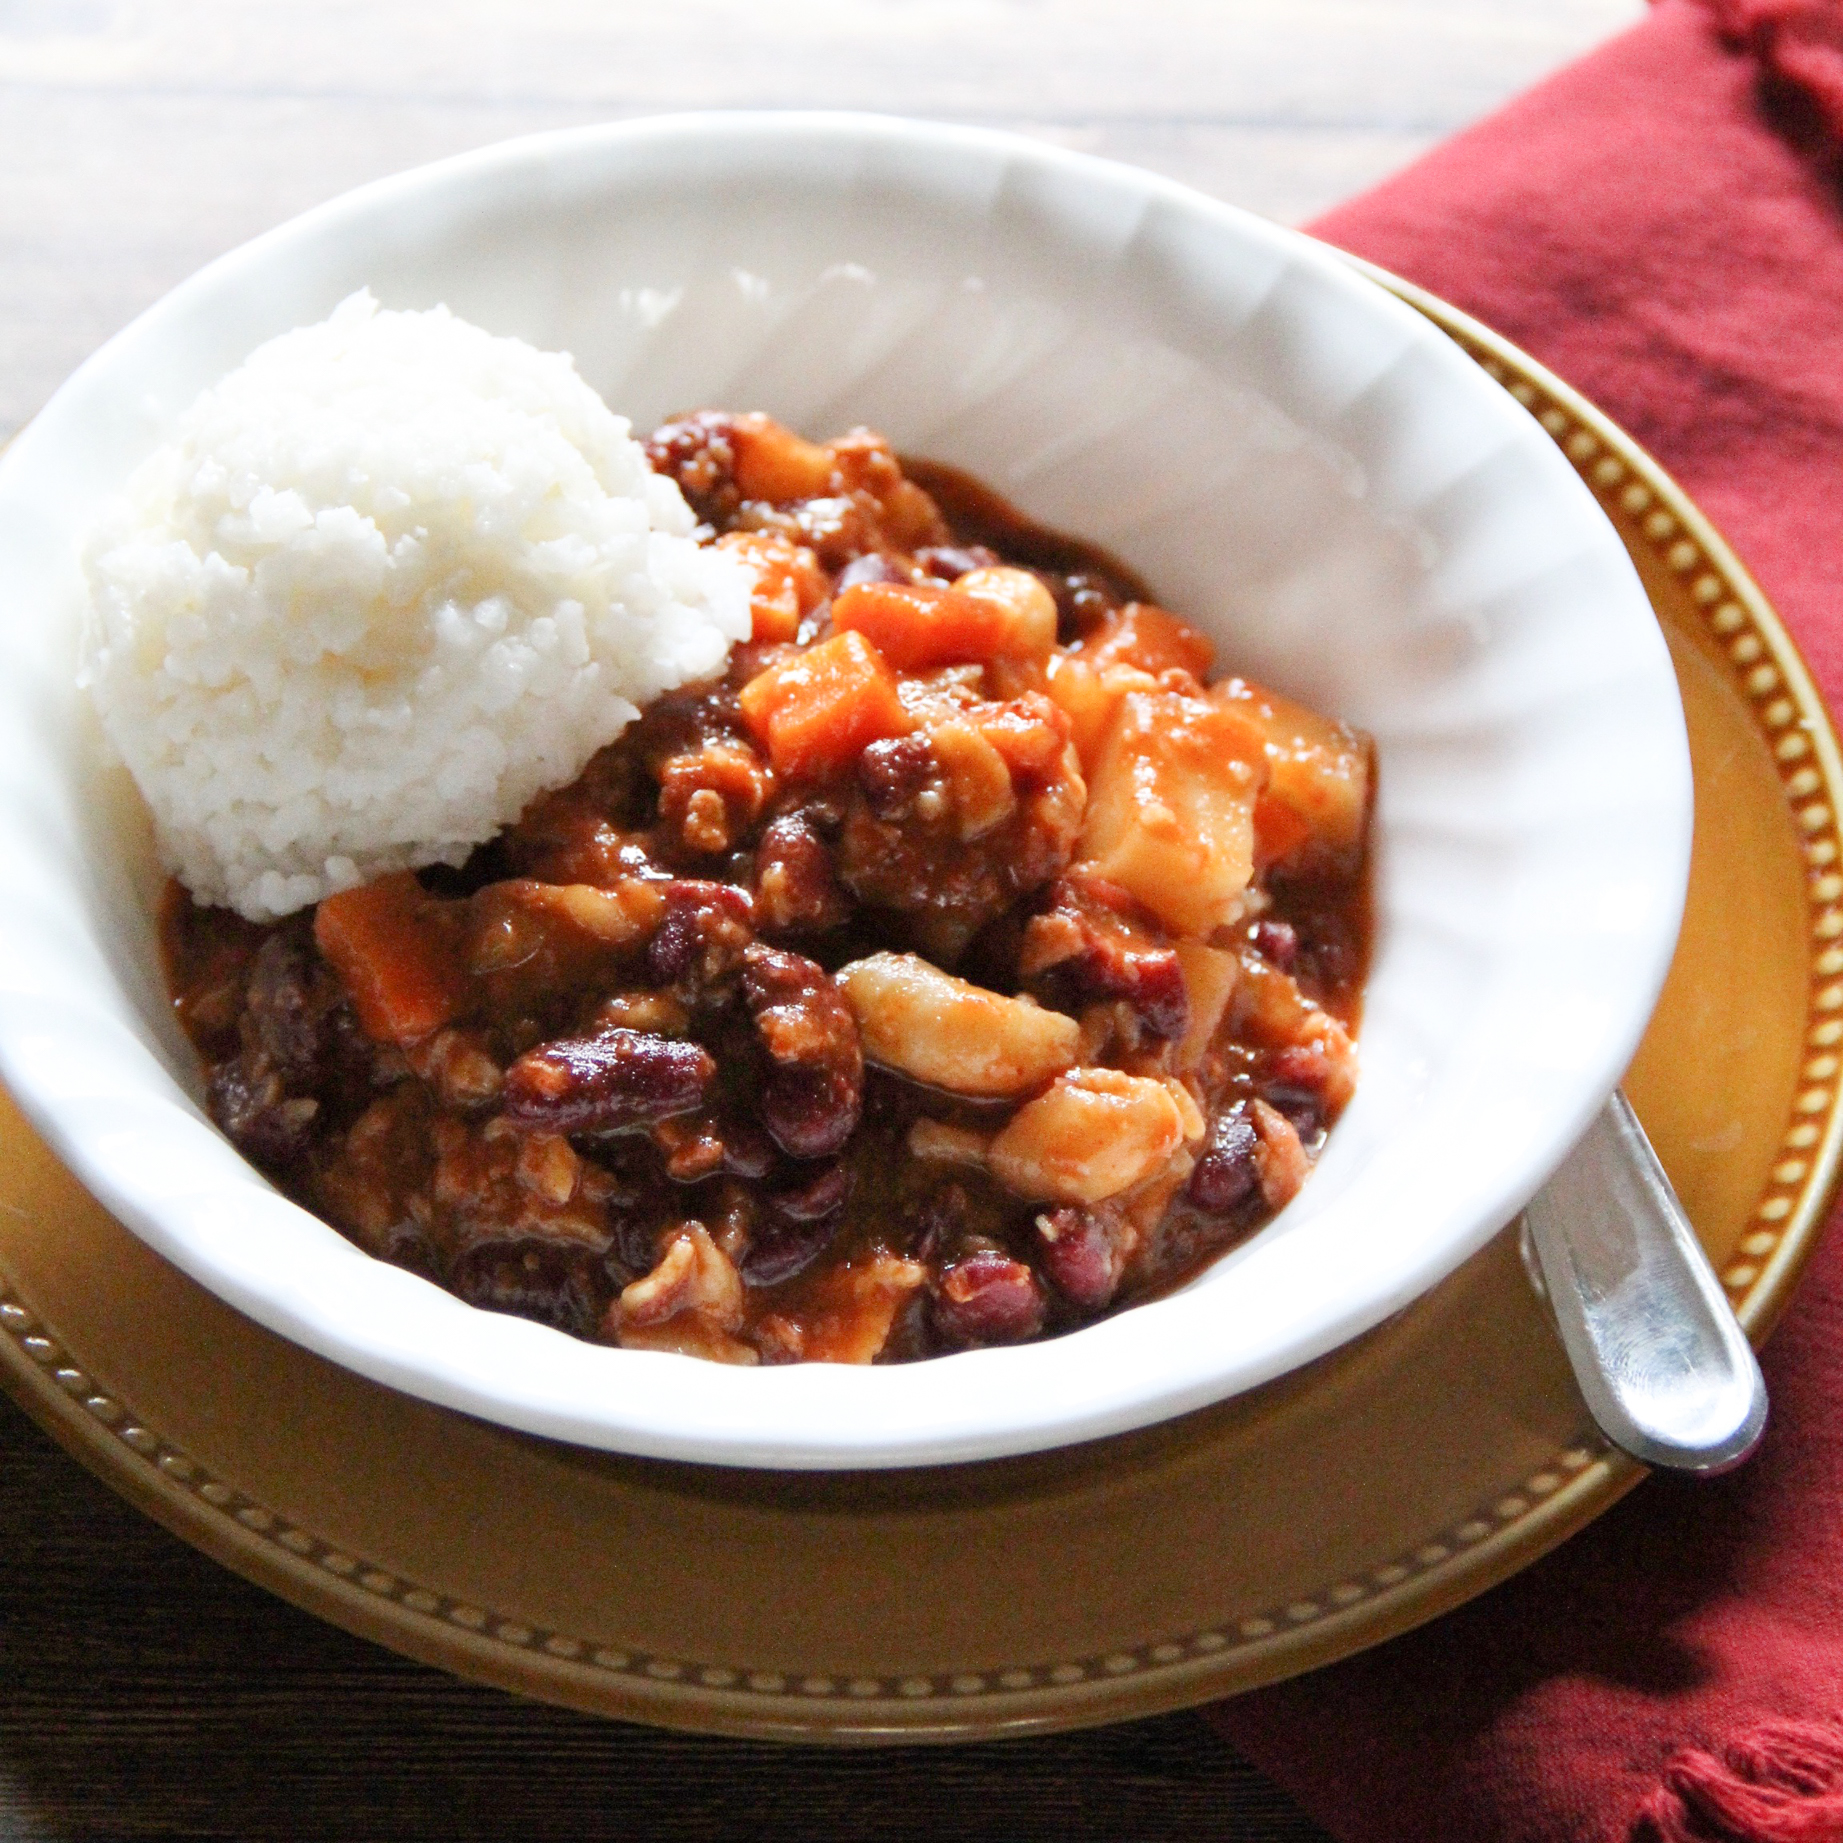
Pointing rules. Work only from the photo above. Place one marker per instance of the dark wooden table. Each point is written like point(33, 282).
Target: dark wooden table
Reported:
point(144, 1691)
point(147, 1692)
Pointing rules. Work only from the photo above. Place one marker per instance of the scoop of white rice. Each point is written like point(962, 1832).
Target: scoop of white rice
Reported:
point(390, 579)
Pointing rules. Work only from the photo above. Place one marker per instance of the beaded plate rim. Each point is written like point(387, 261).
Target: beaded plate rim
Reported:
point(1452, 1565)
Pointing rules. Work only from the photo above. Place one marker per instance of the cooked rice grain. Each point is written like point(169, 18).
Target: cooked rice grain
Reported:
point(389, 580)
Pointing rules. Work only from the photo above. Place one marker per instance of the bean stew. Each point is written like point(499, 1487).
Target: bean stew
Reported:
point(966, 963)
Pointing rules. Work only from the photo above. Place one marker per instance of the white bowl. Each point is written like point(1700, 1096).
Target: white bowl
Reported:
point(1294, 460)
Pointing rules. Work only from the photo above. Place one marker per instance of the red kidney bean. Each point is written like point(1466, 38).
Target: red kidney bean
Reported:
point(635, 1250)
point(286, 1006)
point(814, 1096)
point(1276, 941)
point(1302, 1106)
point(949, 562)
point(712, 1144)
point(988, 1298)
point(873, 566)
point(892, 772)
point(809, 1113)
point(1083, 600)
point(940, 1223)
point(785, 1250)
point(537, 1280)
point(814, 1200)
point(1226, 1175)
point(263, 1120)
point(747, 1150)
point(795, 890)
point(697, 452)
point(700, 941)
point(620, 1079)
point(1099, 962)
point(1155, 989)
point(1079, 1249)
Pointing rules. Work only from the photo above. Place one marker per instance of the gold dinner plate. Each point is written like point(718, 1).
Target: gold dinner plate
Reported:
point(1281, 1530)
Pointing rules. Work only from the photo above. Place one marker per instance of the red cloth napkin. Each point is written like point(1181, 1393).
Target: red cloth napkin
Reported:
point(1662, 224)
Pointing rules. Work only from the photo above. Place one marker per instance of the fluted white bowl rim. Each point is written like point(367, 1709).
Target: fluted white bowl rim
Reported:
point(1448, 1150)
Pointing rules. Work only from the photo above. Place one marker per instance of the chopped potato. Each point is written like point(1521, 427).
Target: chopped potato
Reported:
point(691, 1303)
point(1318, 768)
point(1278, 1155)
point(692, 1275)
point(1028, 731)
point(855, 1307)
point(1134, 647)
point(1281, 831)
point(938, 1029)
point(602, 918)
point(1028, 627)
point(775, 464)
point(1096, 1133)
point(1171, 807)
point(935, 1142)
point(524, 938)
point(1190, 1114)
point(1209, 983)
point(1089, 696)
point(1271, 1010)
point(978, 776)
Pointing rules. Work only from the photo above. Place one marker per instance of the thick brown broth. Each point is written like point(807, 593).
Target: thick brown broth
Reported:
point(849, 1007)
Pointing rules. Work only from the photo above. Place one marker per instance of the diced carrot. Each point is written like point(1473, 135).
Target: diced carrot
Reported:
point(775, 464)
point(818, 709)
point(1279, 829)
point(789, 583)
point(1154, 641)
point(919, 625)
point(399, 963)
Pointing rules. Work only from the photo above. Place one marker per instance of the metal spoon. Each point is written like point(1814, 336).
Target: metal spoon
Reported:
point(1665, 1370)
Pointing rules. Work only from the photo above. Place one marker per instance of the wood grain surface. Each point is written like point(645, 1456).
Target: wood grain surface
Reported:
point(145, 1692)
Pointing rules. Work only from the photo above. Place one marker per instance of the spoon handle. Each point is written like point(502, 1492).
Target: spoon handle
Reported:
point(1665, 1370)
